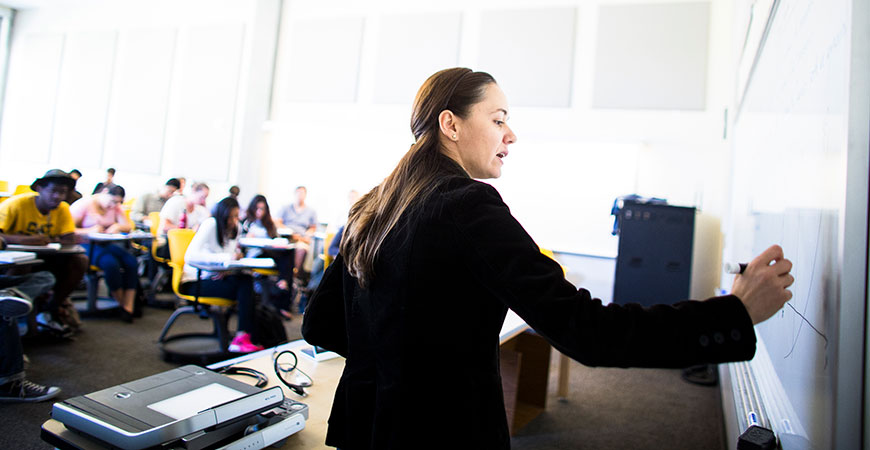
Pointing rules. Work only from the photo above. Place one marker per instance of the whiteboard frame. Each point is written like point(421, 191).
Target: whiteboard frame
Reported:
point(852, 421)
point(851, 418)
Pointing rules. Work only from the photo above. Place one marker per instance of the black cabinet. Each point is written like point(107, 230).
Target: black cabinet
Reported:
point(654, 263)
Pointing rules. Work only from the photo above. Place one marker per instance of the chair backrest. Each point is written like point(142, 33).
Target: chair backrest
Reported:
point(179, 240)
point(327, 259)
point(4, 186)
point(154, 217)
point(551, 255)
point(22, 189)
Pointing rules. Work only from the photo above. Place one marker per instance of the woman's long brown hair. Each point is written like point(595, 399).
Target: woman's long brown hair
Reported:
point(416, 176)
point(266, 220)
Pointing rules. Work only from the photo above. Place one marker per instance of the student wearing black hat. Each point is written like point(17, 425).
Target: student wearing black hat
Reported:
point(40, 218)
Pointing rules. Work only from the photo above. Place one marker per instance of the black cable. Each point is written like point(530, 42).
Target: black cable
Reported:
point(299, 389)
point(262, 379)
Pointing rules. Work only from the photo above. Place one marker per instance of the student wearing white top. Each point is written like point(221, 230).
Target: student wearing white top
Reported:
point(190, 206)
point(218, 237)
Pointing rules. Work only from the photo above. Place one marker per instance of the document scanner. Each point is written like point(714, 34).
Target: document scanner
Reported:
point(176, 405)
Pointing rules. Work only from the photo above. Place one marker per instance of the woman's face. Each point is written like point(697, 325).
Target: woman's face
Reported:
point(261, 210)
point(233, 219)
point(483, 137)
point(108, 201)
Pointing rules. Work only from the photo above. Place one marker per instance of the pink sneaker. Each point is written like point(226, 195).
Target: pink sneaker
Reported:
point(242, 344)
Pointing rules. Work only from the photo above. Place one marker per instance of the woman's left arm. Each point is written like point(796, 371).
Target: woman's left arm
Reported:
point(122, 223)
point(324, 321)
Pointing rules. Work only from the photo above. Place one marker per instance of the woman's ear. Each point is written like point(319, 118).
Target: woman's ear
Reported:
point(447, 122)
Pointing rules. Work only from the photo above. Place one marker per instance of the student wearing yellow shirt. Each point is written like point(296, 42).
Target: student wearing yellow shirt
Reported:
point(37, 219)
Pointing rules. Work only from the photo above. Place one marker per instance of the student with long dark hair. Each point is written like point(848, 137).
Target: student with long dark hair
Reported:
point(219, 235)
point(258, 223)
point(431, 235)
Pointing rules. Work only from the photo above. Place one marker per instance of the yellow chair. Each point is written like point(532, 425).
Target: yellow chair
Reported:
point(564, 361)
point(549, 253)
point(127, 207)
point(22, 189)
point(327, 260)
point(154, 218)
point(200, 346)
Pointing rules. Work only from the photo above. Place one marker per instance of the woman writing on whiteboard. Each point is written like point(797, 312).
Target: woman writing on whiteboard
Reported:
point(431, 235)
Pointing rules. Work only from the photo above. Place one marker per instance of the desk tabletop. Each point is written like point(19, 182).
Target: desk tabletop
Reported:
point(325, 374)
point(26, 262)
point(53, 247)
point(112, 237)
point(267, 244)
point(244, 263)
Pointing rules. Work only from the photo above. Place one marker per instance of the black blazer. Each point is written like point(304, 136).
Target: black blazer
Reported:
point(422, 341)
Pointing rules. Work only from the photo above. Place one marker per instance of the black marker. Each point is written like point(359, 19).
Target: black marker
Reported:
point(735, 268)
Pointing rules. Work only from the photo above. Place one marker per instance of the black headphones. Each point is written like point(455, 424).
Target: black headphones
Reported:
point(262, 379)
point(280, 370)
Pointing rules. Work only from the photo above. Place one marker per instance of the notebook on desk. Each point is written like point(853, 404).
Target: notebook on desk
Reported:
point(8, 256)
point(54, 246)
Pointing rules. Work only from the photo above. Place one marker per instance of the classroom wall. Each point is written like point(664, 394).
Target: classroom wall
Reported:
point(608, 98)
point(154, 89)
point(347, 72)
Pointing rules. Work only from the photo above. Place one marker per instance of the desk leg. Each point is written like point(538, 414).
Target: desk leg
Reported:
point(525, 367)
point(91, 281)
point(196, 294)
point(564, 366)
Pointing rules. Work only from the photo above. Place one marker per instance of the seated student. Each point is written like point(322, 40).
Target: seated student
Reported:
point(102, 213)
point(234, 192)
point(43, 217)
point(318, 268)
point(73, 193)
point(258, 223)
point(154, 201)
point(219, 235)
point(16, 300)
point(185, 211)
point(110, 177)
point(302, 219)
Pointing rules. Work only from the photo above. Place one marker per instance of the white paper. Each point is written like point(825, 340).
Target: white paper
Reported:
point(191, 403)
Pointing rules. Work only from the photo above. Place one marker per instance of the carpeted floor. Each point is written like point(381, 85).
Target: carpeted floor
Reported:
point(606, 408)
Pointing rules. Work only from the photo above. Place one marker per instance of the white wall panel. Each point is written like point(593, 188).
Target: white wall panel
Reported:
point(324, 59)
point(83, 99)
point(652, 56)
point(135, 136)
point(530, 53)
point(30, 98)
point(203, 126)
point(403, 63)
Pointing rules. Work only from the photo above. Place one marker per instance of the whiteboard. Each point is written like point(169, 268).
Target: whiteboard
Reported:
point(796, 142)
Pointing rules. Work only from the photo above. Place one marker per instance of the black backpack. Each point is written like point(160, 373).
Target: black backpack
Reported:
point(268, 327)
